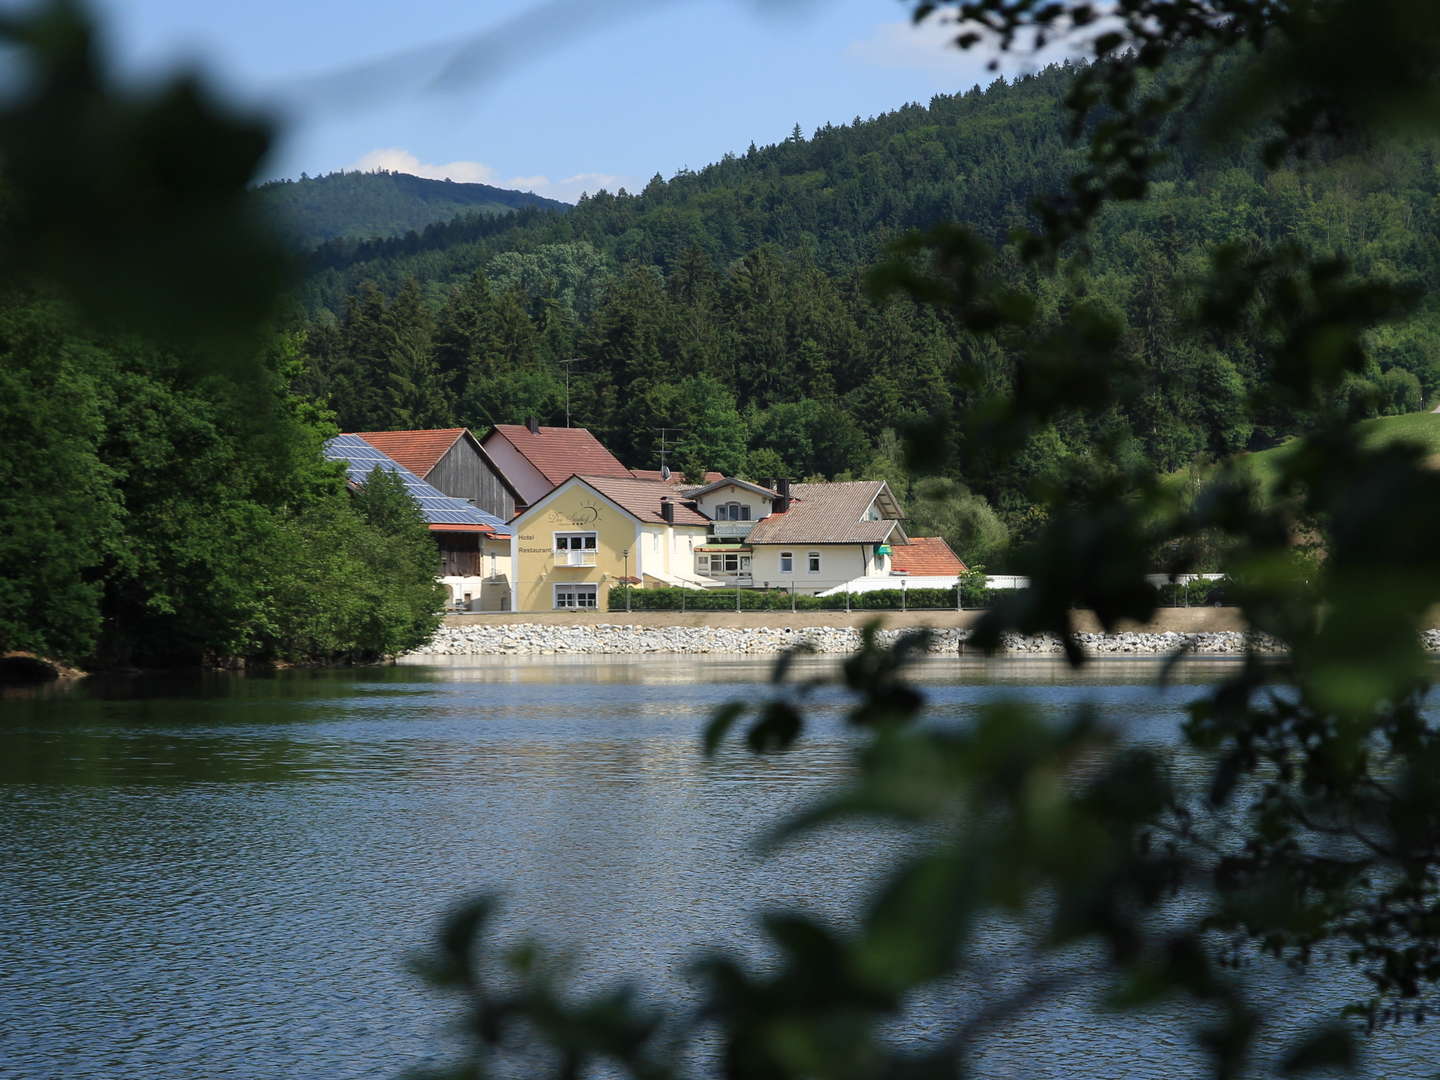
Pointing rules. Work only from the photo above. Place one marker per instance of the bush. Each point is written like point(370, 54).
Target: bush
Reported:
point(672, 599)
point(1203, 593)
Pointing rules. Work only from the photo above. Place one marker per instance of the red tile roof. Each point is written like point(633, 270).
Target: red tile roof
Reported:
point(642, 498)
point(930, 556)
point(418, 451)
point(560, 453)
point(451, 527)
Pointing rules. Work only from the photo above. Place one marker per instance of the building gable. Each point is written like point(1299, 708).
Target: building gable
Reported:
point(466, 471)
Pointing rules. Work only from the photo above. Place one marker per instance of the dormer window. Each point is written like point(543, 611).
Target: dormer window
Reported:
point(732, 511)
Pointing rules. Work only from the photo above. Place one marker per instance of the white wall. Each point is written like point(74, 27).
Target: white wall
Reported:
point(491, 590)
point(760, 506)
point(839, 563)
point(669, 549)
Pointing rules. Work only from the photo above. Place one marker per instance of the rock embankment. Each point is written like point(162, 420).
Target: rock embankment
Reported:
point(534, 639)
point(26, 667)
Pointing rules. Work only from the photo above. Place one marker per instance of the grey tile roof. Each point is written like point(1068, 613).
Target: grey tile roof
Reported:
point(826, 514)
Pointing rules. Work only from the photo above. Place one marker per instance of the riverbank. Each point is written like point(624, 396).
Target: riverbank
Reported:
point(1194, 620)
point(612, 638)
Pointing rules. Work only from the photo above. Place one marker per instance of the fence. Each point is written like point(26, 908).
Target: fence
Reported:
point(627, 598)
point(1197, 591)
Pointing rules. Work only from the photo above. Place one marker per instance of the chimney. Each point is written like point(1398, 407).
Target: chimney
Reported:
point(667, 511)
point(782, 503)
point(533, 425)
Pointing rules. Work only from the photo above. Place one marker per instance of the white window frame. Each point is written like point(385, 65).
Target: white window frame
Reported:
point(702, 562)
point(569, 554)
point(576, 590)
point(812, 562)
point(787, 562)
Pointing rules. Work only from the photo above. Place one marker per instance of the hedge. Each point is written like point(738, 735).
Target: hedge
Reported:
point(1192, 594)
point(673, 599)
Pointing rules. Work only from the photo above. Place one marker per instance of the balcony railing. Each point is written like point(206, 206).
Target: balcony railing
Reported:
point(731, 530)
point(574, 558)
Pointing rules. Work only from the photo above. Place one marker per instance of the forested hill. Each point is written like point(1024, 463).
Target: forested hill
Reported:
point(980, 156)
point(351, 206)
point(730, 303)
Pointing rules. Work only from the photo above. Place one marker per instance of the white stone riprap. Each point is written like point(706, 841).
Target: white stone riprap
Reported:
point(541, 639)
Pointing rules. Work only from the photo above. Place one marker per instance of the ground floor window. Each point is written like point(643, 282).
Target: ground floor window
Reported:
point(723, 562)
point(787, 562)
point(814, 560)
point(575, 596)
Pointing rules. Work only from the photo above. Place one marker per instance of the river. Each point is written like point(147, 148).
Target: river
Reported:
point(222, 876)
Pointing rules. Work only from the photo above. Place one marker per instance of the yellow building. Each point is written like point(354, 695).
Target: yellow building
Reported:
point(593, 532)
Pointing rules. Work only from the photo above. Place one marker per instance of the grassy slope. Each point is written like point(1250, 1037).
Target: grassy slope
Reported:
point(1422, 428)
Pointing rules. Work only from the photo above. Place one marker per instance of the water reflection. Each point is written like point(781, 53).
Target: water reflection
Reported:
point(220, 876)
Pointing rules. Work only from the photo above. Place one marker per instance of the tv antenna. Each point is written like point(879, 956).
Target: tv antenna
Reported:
point(664, 436)
point(567, 363)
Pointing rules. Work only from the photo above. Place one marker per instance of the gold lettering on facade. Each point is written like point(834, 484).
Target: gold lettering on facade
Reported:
point(586, 515)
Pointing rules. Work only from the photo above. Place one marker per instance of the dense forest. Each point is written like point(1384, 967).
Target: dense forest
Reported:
point(162, 510)
point(363, 205)
point(732, 303)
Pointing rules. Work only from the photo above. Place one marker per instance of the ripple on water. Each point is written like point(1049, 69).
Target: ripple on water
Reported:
point(223, 878)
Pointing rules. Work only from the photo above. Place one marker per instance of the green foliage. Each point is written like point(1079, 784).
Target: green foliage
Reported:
point(1314, 827)
point(938, 506)
point(752, 272)
point(1317, 826)
point(165, 496)
point(972, 588)
point(124, 241)
point(60, 510)
point(354, 581)
point(629, 598)
point(159, 519)
point(713, 436)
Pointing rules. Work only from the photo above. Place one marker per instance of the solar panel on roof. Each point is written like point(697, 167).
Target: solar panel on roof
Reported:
point(437, 508)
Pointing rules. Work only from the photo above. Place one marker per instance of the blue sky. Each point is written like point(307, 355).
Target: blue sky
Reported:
point(555, 96)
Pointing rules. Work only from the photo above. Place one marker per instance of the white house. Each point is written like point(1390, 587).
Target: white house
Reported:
point(806, 537)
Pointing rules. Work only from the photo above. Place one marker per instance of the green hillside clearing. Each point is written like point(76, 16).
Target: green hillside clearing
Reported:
point(1421, 427)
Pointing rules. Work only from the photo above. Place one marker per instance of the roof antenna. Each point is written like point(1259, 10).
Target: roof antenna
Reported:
point(567, 363)
point(664, 449)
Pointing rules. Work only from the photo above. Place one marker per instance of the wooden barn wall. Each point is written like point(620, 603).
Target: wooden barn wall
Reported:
point(465, 474)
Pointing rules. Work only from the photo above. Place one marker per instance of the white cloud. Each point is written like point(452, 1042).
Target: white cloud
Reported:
point(568, 189)
point(930, 47)
point(394, 159)
point(926, 47)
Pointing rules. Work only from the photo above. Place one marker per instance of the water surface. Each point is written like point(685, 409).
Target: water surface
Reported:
point(222, 876)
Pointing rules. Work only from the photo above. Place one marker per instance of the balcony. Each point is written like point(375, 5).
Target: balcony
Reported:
point(574, 558)
point(731, 530)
